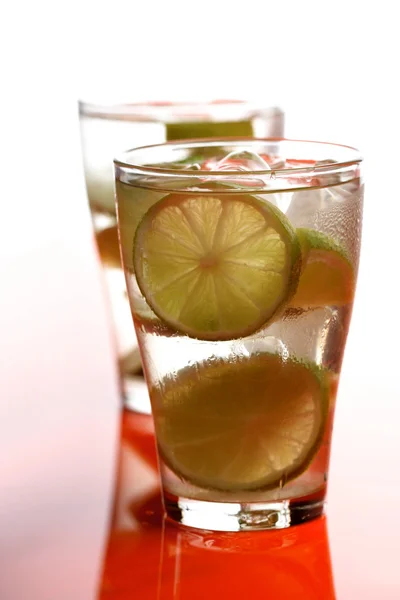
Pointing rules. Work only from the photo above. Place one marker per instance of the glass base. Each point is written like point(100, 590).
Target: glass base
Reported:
point(136, 395)
point(221, 516)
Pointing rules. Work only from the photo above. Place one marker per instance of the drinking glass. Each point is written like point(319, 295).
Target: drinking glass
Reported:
point(105, 130)
point(241, 260)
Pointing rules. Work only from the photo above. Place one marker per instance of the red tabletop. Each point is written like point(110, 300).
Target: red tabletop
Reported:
point(148, 557)
point(93, 537)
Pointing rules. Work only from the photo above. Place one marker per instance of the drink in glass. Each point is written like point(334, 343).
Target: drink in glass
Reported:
point(108, 129)
point(241, 259)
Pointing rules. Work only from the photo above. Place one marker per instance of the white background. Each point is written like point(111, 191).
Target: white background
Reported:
point(333, 67)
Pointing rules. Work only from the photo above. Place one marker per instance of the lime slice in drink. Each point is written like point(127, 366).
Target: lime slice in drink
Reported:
point(206, 129)
point(328, 277)
point(133, 203)
point(247, 424)
point(216, 267)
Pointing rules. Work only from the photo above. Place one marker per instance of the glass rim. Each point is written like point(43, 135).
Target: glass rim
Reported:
point(154, 110)
point(326, 167)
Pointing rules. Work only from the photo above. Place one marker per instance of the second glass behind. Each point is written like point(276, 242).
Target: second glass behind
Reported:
point(241, 260)
point(108, 129)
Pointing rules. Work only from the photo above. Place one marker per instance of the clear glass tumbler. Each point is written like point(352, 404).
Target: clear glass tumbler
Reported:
point(108, 129)
point(241, 261)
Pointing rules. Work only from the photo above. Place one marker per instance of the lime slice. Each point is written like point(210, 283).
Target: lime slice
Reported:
point(328, 277)
point(133, 203)
point(216, 267)
point(247, 424)
point(207, 129)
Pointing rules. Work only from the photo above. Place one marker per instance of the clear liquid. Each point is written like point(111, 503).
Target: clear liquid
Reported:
point(102, 139)
point(315, 335)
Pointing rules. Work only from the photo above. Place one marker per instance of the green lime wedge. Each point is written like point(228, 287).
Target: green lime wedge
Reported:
point(327, 277)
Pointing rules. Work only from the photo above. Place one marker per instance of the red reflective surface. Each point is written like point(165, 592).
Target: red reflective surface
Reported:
point(75, 531)
point(148, 557)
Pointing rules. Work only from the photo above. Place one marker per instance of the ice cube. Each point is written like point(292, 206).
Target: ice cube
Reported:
point(261, 343)
point(242, 160)
point(341, 218)
point(304, 333)
point(310, 207)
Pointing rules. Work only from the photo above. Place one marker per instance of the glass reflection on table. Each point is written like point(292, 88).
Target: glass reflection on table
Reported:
point(148, 557)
